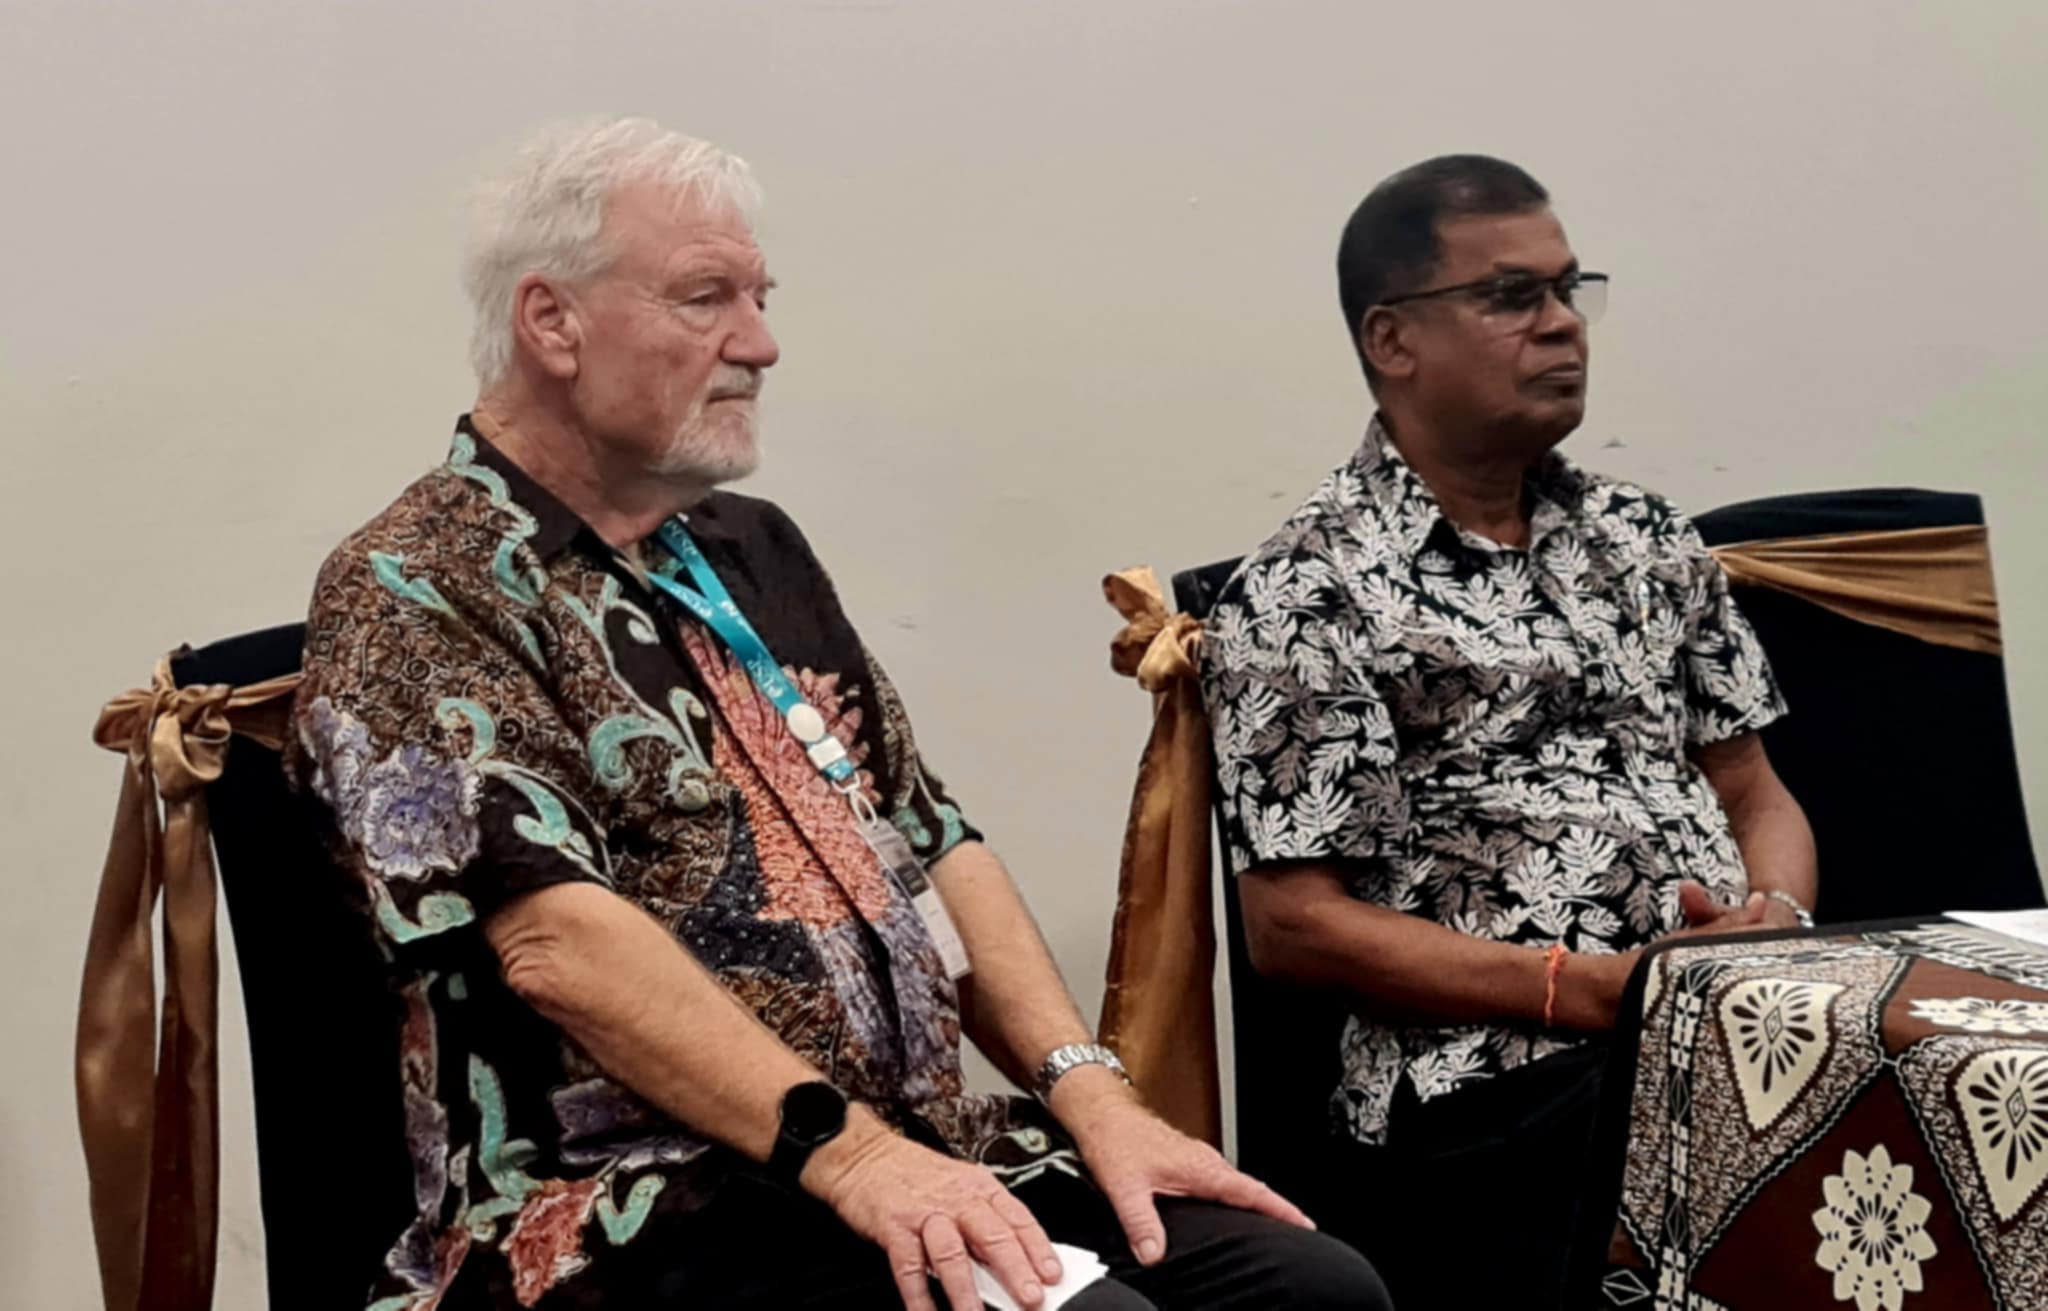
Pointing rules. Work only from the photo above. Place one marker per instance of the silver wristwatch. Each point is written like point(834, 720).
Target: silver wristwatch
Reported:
point(1804, 915)
point(1072, 1057)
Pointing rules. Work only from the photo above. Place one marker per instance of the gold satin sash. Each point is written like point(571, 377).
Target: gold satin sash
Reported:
point(1930, 583)
point(150, 1121)
point(1158, 1011)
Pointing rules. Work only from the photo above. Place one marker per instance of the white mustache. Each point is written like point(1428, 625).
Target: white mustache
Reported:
point(741, 384)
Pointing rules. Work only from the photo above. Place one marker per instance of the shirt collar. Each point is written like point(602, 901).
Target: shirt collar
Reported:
point(1417, 515)
point(555, 524)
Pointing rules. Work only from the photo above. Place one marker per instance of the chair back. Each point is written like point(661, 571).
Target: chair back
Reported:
point(1284, 1038)
point(1900, 750)
point(331, 1157)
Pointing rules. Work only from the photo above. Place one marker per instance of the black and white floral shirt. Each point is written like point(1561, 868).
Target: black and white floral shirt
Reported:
point(1493, 738)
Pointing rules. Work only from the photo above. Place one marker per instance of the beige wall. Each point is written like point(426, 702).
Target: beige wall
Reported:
point(1057, 299)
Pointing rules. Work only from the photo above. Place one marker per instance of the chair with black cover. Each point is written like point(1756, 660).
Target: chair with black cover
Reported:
point(1284, 1038)
point(323, 1027)
point(1900, 749)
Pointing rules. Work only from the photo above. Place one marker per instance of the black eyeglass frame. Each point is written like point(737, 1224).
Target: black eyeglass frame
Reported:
point(1564, 286)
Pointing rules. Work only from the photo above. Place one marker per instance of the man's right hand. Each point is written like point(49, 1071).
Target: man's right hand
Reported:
point(930, 1213)
point(1592, 999)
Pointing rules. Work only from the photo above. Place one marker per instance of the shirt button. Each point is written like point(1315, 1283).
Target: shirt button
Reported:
point(693, 796)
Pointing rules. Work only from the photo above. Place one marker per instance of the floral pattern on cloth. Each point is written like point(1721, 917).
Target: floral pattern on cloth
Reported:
point(1873, 1231)
point(1983, 1014)
point(1912, 1155)
point(495, 702)
point(1778, 1034)
point(1492, 738)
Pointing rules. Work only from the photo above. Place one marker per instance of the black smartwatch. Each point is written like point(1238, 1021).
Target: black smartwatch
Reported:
point(812, 1115)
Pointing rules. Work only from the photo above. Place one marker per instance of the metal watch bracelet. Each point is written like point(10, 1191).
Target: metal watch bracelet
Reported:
point(1063, 1060)
point(1804, 915)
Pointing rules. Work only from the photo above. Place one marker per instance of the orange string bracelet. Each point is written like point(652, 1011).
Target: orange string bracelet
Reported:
point(1553, 965)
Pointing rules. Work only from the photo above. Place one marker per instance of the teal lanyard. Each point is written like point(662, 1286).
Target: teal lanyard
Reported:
point(715, 608)
point(711, 603)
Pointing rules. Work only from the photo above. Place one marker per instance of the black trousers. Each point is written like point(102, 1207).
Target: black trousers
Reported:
point(1476, 1198)
point(760, 1245)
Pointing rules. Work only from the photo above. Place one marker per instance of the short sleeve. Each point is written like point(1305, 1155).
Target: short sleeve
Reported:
point(451, 782)
point(1306, 752)
point(1729, 688)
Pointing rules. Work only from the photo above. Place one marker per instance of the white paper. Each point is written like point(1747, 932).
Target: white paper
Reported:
point(1079, 1268)
point(2029, 926)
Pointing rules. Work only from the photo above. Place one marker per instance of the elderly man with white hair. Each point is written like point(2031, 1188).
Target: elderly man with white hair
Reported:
point(687, 933)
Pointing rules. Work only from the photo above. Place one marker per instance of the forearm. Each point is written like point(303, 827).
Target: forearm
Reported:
point(1407, 969)
point(1768, 824)
point(1777, 847)
point(653, 1018)
point(1303, 928)
point(1014, 1005)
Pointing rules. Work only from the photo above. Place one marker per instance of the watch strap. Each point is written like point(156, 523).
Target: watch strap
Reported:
point(809, 1120)
point(1063, 1060)
point(1784, 898)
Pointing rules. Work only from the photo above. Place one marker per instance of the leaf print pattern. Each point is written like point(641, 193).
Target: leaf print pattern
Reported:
point(1492, 738)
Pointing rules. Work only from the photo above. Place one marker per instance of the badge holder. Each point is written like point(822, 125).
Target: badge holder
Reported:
point(893, 851)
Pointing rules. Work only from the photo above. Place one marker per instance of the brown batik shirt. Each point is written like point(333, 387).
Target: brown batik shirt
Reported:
point(494, 702)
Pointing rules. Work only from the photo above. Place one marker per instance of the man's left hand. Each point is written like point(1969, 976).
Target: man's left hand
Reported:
point(1136, 1157)
point(1777, 915)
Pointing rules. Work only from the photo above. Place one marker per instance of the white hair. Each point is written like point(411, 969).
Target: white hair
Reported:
point(545, 213)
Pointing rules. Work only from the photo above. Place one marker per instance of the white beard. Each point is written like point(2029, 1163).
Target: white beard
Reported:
point(717, 442)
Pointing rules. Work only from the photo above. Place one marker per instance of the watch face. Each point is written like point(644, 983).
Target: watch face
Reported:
point(813, 1112)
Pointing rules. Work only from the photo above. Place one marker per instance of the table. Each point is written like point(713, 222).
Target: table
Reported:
point(1856, 1118)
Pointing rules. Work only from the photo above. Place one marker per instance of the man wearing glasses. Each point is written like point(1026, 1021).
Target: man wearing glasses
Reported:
point(1486, 726)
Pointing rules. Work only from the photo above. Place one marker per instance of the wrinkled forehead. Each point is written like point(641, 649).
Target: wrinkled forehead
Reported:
point(653, 228)
point(1478, 246)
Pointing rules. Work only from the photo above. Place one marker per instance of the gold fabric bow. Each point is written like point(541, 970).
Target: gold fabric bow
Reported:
point(150, 1122)
point(1930, 583)
point(1158, 1010)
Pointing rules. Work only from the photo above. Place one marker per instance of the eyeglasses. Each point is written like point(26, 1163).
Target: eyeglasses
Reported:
point(1519, 296)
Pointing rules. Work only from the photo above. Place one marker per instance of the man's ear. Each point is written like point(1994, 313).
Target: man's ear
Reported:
point(1384, 341)
point(547, 325)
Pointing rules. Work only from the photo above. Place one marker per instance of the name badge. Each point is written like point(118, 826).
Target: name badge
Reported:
point(909, 873)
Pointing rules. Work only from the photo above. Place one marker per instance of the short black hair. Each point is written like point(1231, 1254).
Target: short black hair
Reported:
point(1391, 244)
